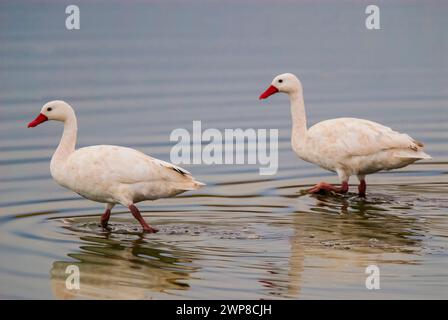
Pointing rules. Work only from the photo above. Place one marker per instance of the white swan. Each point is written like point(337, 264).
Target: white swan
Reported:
point(110, 174)
point(347, 146)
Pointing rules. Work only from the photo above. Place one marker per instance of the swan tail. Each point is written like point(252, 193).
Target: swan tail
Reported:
point(189, 185)
point(418, 155)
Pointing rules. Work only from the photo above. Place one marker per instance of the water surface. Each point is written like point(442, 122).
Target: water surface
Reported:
point(136, 72)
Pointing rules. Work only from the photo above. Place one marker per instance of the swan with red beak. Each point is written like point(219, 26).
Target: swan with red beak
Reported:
point(346, 146)
point(110, 174)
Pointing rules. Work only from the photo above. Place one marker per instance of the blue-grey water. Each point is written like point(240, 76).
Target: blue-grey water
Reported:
point(136, 71)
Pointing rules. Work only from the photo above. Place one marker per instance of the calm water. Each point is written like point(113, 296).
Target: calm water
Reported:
point(136, 72)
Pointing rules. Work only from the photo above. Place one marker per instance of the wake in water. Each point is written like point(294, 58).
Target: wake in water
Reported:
point(190, 230)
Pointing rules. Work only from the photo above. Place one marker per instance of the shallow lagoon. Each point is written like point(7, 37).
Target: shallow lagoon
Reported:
point(136, 72)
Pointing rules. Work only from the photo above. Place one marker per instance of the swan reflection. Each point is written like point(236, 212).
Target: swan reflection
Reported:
point(113, 267)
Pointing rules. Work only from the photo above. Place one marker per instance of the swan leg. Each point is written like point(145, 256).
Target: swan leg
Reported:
point(323, 187)
point(362, 186)
point(136, 213)
point(106, 215)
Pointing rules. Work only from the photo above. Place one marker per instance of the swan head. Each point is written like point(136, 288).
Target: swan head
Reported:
point(54, 110)
point(286, 83)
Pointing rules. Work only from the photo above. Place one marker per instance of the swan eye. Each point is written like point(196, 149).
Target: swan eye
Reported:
point(49, 109)
point(280, 80)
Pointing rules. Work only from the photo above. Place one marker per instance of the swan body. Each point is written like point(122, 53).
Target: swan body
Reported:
point(347, 146)
point(358, 146)
point(113, 174)
point(110, 174)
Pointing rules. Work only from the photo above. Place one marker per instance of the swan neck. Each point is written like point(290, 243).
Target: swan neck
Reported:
point(298, 114)
point(67, 144)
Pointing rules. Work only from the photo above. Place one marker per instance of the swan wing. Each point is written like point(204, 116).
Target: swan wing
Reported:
point(114, 164)
point(358, 137)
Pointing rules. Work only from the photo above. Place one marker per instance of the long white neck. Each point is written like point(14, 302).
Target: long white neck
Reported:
point(298, 118)
point(68, 141)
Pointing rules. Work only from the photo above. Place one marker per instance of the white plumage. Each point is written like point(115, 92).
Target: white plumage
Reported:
point(110, 174)
point(122, 175)
point(347, 146)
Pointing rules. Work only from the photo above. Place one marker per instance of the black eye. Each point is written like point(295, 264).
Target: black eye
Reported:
point(49, 109)
point(280, 80)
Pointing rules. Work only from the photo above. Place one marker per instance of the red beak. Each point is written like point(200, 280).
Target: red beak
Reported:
point(269, 92)
point(39, 119)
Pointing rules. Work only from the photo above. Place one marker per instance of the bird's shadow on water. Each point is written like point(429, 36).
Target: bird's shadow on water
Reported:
point(345, 231)
point(348, 233)
point(380, 222)
point(123, 266)
point(125, 263)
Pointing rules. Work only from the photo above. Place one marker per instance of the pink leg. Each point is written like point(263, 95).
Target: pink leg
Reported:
point(105, 218)
point(362, 188)
point(323, 186)
point(138, 216)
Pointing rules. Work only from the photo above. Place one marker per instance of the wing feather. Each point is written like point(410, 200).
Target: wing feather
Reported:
point(358, 137)
point(125, 165)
